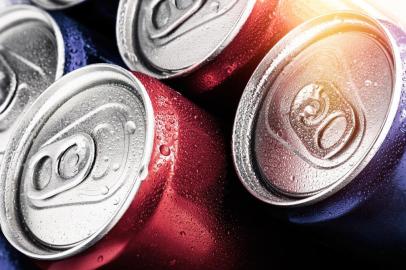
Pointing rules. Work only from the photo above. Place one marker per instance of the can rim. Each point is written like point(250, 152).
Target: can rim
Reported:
point(57, 4)
point(125, 32)
point(19, 13)
point(36, 116)
point(271, 65)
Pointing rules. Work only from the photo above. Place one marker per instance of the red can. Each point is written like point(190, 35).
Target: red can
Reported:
point(207, 47)
point(117, 171)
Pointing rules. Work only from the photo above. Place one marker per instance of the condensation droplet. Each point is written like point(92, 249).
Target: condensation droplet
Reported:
point(116, 166)
point(105, 190)
point(100, 259)
point(215, 6)
point(130, 127)
point(165, 150)
point(368, 83)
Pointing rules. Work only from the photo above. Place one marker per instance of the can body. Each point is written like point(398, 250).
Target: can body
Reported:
point(10, 259)
point(82, 46)
point(225, 69)
point(369, 213)
point(177, 217)
point(352, 191)
point(26, 41)
point(172, 222)
point(102, 21)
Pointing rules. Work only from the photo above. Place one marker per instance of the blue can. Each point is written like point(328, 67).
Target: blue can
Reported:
point(320, 132)
point(82, 46)
point(103, 13)
point(11, 259)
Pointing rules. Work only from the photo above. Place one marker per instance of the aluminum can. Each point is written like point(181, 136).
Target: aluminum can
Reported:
point(10, 259)
point(102, 19)
point(205, 47)
point(35, 50)
point(117, 171)
point(6, 3)
point(320, 130)
point(57, 4)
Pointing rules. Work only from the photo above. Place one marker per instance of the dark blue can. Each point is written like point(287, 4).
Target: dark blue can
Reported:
point(98, 15)
point(84, 47)
point(320, 132)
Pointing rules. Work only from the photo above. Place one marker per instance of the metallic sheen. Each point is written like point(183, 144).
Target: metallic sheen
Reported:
point(170, 38)
point(316, 110)
point(86, 143)
point(31, 58)
point(56, 4)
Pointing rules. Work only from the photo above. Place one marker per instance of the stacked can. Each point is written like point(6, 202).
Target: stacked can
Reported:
point(102, 19)
point(207, 48)
point(328, 102)
point(37, 49)
point(118, 170)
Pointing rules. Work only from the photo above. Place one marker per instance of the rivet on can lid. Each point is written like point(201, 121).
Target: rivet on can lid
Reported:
point(316, 109)
point(85, 143)
point(31, 58)
point(172, 38)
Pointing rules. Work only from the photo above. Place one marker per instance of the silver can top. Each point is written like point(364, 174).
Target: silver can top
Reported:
point(76, 162)
point(57, 4)
point(317, 109)
point(170, 38)
point(32, 56)
point(6, 3)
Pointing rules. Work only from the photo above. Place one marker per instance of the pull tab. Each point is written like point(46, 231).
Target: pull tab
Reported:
point(60, 166)
point(322, 119)
point(167, 15)
point(8, 83)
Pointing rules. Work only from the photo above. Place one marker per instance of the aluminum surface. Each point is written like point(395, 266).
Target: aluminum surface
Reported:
point(86, 144)
point(56, 4)
point(171, 38)
point(317, 109)
point(31, 58)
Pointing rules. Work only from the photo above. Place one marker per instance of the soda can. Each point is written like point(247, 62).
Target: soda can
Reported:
point(6, 3)
point(320, 130)
point(102, 19)
point(206, 47)
point(35, 50)
point(116, 170)
point(57, 4)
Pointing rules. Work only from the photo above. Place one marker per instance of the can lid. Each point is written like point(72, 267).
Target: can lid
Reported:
point(56, 4)
point(317, 109)
point(171, 38)
point(32, 56)
point(76, 162)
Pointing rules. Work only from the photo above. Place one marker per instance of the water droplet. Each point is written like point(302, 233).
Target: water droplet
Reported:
point(130, 127)
point(100, 259)
point(172, 262)
point(215, 6)
point(367, 83)
point(116, 166)
point(165, 150)
point(105, 190)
